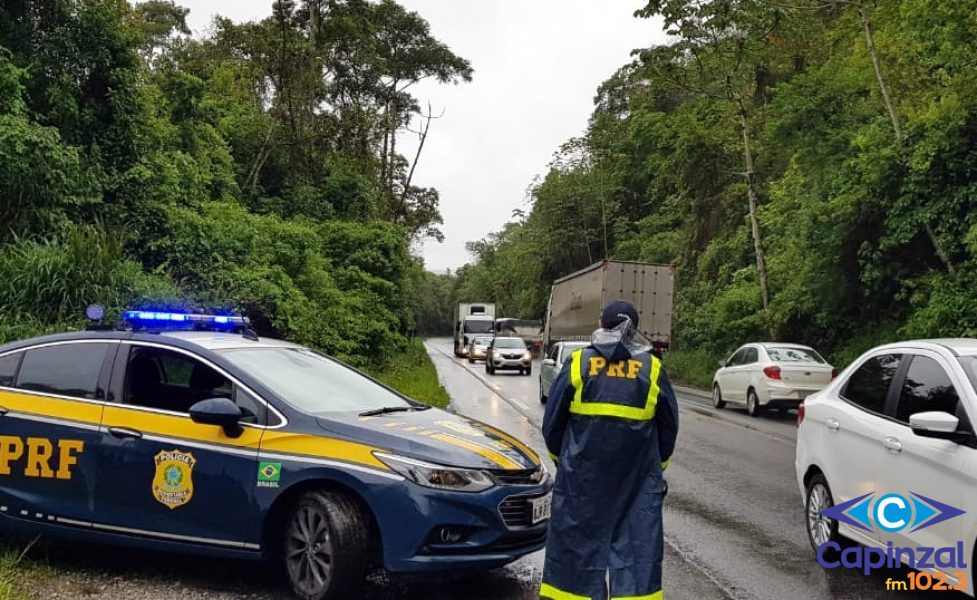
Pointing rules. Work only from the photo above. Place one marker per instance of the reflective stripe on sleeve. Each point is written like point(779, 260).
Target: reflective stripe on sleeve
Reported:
point(548, 591)
point(659, 595)
point(666, 463)
point(576, 377)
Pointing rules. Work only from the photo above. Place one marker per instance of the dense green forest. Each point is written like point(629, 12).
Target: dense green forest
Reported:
point(809, 166)
point(255, 169)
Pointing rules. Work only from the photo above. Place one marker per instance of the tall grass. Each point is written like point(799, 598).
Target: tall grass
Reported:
point(693, 368)
point(45, 285)
point(16, 573)
point(413, 374)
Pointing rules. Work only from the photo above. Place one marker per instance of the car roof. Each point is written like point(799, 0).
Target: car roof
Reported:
point(213, 340)
point(958, 346)
point(509, 337)
point(209, 340)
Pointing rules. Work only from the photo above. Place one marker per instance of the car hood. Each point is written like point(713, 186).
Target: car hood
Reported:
point(435, 436)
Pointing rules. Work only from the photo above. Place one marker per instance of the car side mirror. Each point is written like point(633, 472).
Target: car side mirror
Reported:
point(549, 362)
point(722, 364)
point(221, 412)
point(939, 425)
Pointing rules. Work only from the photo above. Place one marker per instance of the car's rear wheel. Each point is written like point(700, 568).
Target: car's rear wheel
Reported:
point(325, 547)
point(529, 371)
point(542, 396)
point(820, 529)
point(717, 397)
point(752, 403)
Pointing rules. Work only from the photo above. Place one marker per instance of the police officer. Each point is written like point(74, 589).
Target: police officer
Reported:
point(610, 426)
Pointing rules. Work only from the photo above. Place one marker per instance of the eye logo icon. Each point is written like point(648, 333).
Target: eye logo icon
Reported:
point(892, 512)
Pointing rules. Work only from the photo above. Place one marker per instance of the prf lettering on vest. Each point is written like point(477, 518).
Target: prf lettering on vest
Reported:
point(624, 369)
point(37, 454)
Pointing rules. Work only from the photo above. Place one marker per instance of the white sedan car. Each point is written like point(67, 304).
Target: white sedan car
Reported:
point(770, 374)
point(888, 450)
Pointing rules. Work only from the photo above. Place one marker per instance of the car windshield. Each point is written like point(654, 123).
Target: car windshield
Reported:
point(479, 326)
point(970, 368)
point(510, 343)
point(311, 382)
point(482, 341)
point(787, 354)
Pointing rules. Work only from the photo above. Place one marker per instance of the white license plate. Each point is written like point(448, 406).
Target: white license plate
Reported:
point(542, 507)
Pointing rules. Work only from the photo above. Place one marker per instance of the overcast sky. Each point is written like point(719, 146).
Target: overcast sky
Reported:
point(537, 67)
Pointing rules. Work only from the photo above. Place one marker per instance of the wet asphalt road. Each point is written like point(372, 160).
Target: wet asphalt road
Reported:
point(733, 515)
point(733, 520)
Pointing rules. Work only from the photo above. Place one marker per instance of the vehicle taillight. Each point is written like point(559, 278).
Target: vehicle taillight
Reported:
point(800, 413)
point(834, 373)
point(772, 372)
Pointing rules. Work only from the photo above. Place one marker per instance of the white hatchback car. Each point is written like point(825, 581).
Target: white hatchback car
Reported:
point(893, 436)
point(770, 374)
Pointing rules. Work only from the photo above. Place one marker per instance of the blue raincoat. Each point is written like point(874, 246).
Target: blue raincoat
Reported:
point(610, 424)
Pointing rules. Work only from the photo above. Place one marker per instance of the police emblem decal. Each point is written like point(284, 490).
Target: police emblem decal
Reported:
point(173, 481)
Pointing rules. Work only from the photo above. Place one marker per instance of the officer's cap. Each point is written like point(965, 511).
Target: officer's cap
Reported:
point(617, 312)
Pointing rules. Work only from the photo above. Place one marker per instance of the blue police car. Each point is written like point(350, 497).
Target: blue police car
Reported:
point(189, 433)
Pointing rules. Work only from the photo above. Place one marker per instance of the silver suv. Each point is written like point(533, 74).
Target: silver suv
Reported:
point(508, 353)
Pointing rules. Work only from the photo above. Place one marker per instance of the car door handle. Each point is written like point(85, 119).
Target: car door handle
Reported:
point(125, 433)
point(833, 424)
point(892, 444)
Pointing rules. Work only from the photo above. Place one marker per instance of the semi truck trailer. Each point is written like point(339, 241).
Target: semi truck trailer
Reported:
point(577, 299)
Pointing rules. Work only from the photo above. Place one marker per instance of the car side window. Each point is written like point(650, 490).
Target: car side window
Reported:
point(751, 356)
point(868, 386)
point(63, 369)
point(737, 358)
point(8, 368)
point(555, 352)
point(173, 381)
point(927, 388)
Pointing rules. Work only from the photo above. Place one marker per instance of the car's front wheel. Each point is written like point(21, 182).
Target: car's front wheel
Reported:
point(752, 403)
point(325, 547)
point(717, 397)
point(529, 371)
point(820, 529)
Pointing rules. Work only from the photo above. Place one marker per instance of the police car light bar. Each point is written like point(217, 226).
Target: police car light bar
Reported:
point(163, 319)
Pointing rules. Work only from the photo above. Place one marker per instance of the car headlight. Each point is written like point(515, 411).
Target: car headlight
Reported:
point(527, 356)
point(437, 476)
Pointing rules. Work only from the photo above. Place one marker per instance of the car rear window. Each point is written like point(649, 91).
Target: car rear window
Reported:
point(787, 355)
point(63, 369)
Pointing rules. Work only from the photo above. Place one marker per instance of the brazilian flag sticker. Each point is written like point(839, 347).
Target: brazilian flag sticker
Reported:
point(269, 474)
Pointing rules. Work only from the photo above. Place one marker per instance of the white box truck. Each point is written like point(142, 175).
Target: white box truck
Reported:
point(577, 299)
point(472, 319)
